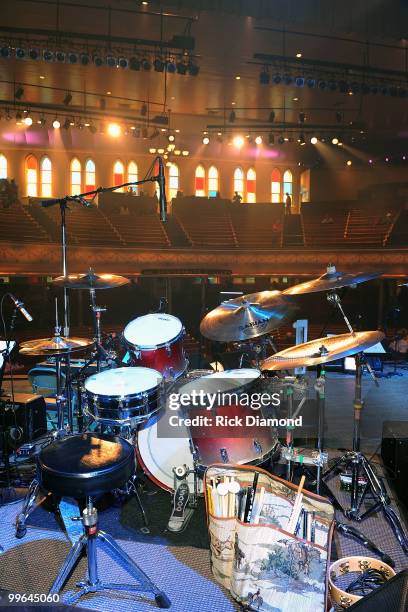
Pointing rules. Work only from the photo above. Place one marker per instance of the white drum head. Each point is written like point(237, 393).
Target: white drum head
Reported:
point(152, 330)
point(158, 456)
point(222, 381)
point(121, 382)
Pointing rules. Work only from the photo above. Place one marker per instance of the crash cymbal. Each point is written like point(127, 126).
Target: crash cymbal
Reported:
point(91, 280)
point(248, 316)
point(56, 345)
point(322, 350)
point(331, 280)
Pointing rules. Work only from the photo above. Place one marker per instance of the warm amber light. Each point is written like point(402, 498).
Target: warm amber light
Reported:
point(238, 142)
point(114, 130)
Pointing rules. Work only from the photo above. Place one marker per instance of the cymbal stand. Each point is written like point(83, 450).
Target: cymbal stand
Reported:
point(96, 312)
point(334, 299)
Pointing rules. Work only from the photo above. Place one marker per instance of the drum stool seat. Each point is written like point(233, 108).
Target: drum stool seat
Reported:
point(85, 465)
point(82, 466)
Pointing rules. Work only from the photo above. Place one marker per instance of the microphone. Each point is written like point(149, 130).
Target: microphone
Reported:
point(47, 203)
point(20, 306)
point(162, 195)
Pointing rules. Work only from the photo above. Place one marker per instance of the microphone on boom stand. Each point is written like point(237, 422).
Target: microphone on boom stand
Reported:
point(162, 190)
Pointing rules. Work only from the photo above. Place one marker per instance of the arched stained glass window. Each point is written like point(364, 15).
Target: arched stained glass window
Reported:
point(239, 181)
point(46, 177)
point(76, 176)
point(276, 186)
point(251, 186)
point(174, 181)
point(287, 182)
point(213, 182)
point(32, 176)
point(199, 189)
point(3, 166)
point(132, 174)
point(118, 174)
point(90, 177)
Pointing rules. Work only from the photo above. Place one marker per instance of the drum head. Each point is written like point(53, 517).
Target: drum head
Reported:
point(158, 456)
point(152, 330)
point(222, 381)
point(122, 382)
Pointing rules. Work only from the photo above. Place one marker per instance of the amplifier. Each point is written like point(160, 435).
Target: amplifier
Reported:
point(394, 453)
point(25, 420)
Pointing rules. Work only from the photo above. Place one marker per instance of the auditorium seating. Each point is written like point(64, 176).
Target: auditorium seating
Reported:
point(398, 236)
point(17, 224)
point(324, 224)
point(368, 227)
point(205, 222)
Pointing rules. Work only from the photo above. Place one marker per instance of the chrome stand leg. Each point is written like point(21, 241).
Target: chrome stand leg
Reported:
point(28, 507)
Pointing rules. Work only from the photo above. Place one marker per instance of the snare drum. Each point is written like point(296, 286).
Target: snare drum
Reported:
point(124, 394)
point(156, 341)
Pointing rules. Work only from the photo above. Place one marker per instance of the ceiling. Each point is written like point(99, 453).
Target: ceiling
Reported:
point(227, 35)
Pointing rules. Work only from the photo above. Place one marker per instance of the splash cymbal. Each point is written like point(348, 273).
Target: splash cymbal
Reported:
point(322, 350)
point(91, 280)
point(57, 345)
point(331, 280)
point(248, 316)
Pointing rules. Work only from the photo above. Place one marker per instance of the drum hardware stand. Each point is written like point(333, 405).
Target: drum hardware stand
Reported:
point(131, 490)
point(88, 542)
point(184, 502)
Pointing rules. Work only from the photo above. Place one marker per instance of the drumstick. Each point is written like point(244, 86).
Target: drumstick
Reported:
point(210, 499)
point(297, 506)
point(256, 513)
point(222, 490)
point(233, 488)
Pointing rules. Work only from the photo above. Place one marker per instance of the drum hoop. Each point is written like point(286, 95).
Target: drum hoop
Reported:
point(154, 347)
point(148, 472)
point(129, 396)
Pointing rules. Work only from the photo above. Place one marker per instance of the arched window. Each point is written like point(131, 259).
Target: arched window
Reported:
point(118, 174)
point(90, 179)
point(174, 180)
point(32, 176)
point(46, 177)
point(76, 176)
point(132, 174)
point(239, 181)
point(3, 166)
point(276, 186)
point(200, 182)
point(213, 186)
point(287, 182)
point(251, 186)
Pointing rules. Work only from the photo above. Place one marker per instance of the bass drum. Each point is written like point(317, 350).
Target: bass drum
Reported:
point(158, 456)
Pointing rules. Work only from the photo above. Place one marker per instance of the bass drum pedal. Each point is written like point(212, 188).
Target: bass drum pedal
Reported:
point(184, 501)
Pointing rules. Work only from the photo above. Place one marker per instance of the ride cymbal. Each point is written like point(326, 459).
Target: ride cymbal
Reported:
point(248, 316)
point(322, 350)
point(54, 346)
point(91, 280)
point(331, 280)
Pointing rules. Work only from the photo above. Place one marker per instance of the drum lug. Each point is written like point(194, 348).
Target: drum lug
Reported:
point(224, 455)
point(145, 398)
point(168, 348)
point(257, 447)
point(137, 353)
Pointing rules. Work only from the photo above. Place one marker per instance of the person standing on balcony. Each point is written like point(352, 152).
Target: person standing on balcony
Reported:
point(288, 204)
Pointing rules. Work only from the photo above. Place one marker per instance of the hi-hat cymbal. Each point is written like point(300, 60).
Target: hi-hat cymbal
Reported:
point(331, 280)
point(91, 280)
point(322, 350)
point(57, 345)
point(248, 316)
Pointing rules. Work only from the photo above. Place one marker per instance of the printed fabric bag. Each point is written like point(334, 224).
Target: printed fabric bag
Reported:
point(265, 566)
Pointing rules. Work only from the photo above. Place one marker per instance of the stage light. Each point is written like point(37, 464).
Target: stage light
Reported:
point(302, 140)
point(60, 56)
point(114, 130)
point(313, 140)
point(146, 65)
point(264, 77)
point(73, 58)
point(298, 54)
point(67, 99)
point(56, 124)
point(84, 59)
point(87, 123)
point(97, 60)
point(322, 84)
point(20, 53)
point(111, 61)
point(287, 79)
point(66, 124)
point(158, 65)
point(19, 118)
point(134, 63)
point(143, 110)
point(281, 140)
point(5, 52)
point(28, 121)
point(171, 67)
point(42, 120)
point(370, 161)
point(271, 116)
point(185, 153)
point(152, 150)
point(177, 152)
point(276, 79)
point(335, 140)
point(123, 62)
point(299, 81)
point(387, 159)
point(160, 151)
point(193, 69)
point(238, 142)
point(171, 147)
point(181, 68)
point(72, 122)
point(232, 117)
point(168, 164)
point(349, 162)
point(171, 138)
point(258, 140)
point(302, 117)
point(206, 140)
point(19, 93)
point(34, 54)
point(48, 56)
point(311, 82)
point(271, 139)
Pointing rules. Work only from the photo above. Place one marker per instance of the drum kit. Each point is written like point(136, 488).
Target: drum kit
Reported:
point(129, 396)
